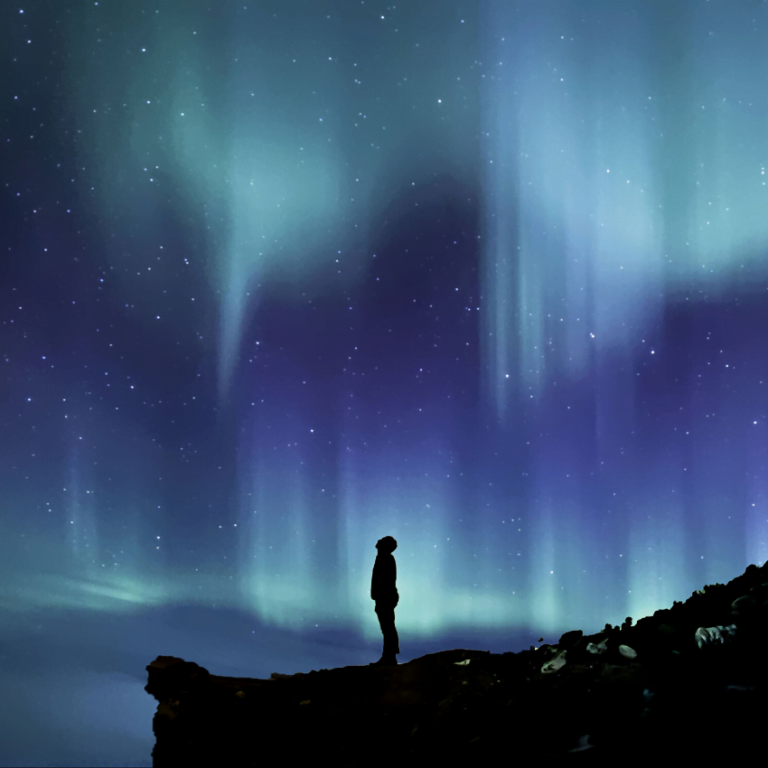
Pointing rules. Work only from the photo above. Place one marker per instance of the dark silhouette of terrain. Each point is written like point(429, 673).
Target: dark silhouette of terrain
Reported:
point(687, 683)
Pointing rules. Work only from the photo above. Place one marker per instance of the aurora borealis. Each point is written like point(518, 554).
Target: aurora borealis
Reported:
point(280, 278)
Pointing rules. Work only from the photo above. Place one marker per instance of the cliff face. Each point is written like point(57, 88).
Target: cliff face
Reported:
point(688, 682)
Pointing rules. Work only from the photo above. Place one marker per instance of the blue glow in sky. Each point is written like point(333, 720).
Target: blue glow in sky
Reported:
point(282, 278)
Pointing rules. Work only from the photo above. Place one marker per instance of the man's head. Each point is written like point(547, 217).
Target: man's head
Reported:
point(387, 544)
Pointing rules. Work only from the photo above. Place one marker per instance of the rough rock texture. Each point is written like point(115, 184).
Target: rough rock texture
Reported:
point(686, 683)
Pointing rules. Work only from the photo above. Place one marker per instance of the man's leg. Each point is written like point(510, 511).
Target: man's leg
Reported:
point(396, 641)
point(386, 614)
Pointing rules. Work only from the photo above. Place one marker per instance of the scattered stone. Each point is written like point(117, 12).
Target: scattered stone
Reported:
point(555, 663)
point(627, 652)
point(569, 639)
point(597, 648)
point(715, 635)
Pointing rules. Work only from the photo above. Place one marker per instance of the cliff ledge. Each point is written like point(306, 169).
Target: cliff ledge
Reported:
point(687, 682)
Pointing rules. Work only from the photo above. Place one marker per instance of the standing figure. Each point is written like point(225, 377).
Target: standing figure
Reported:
point(384, 592)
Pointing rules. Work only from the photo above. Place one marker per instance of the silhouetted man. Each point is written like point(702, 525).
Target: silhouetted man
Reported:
point(384, 592)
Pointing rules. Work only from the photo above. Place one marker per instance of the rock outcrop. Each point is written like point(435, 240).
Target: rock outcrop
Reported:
point(687, 683)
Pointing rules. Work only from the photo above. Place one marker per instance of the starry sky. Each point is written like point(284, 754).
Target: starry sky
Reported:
point(280, 278)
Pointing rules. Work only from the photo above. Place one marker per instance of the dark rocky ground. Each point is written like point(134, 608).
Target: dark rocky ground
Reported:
point(687, 683)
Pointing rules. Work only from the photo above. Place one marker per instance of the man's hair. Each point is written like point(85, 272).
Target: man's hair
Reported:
point(388, 543)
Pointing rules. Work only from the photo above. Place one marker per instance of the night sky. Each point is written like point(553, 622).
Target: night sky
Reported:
point(279, 278)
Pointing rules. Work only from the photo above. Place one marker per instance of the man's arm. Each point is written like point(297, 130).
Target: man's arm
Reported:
point(373, 579)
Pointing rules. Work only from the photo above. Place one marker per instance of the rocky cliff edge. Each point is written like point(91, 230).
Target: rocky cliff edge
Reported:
point(687, 683)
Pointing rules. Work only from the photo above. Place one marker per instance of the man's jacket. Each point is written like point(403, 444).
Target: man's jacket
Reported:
point(384, 579)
